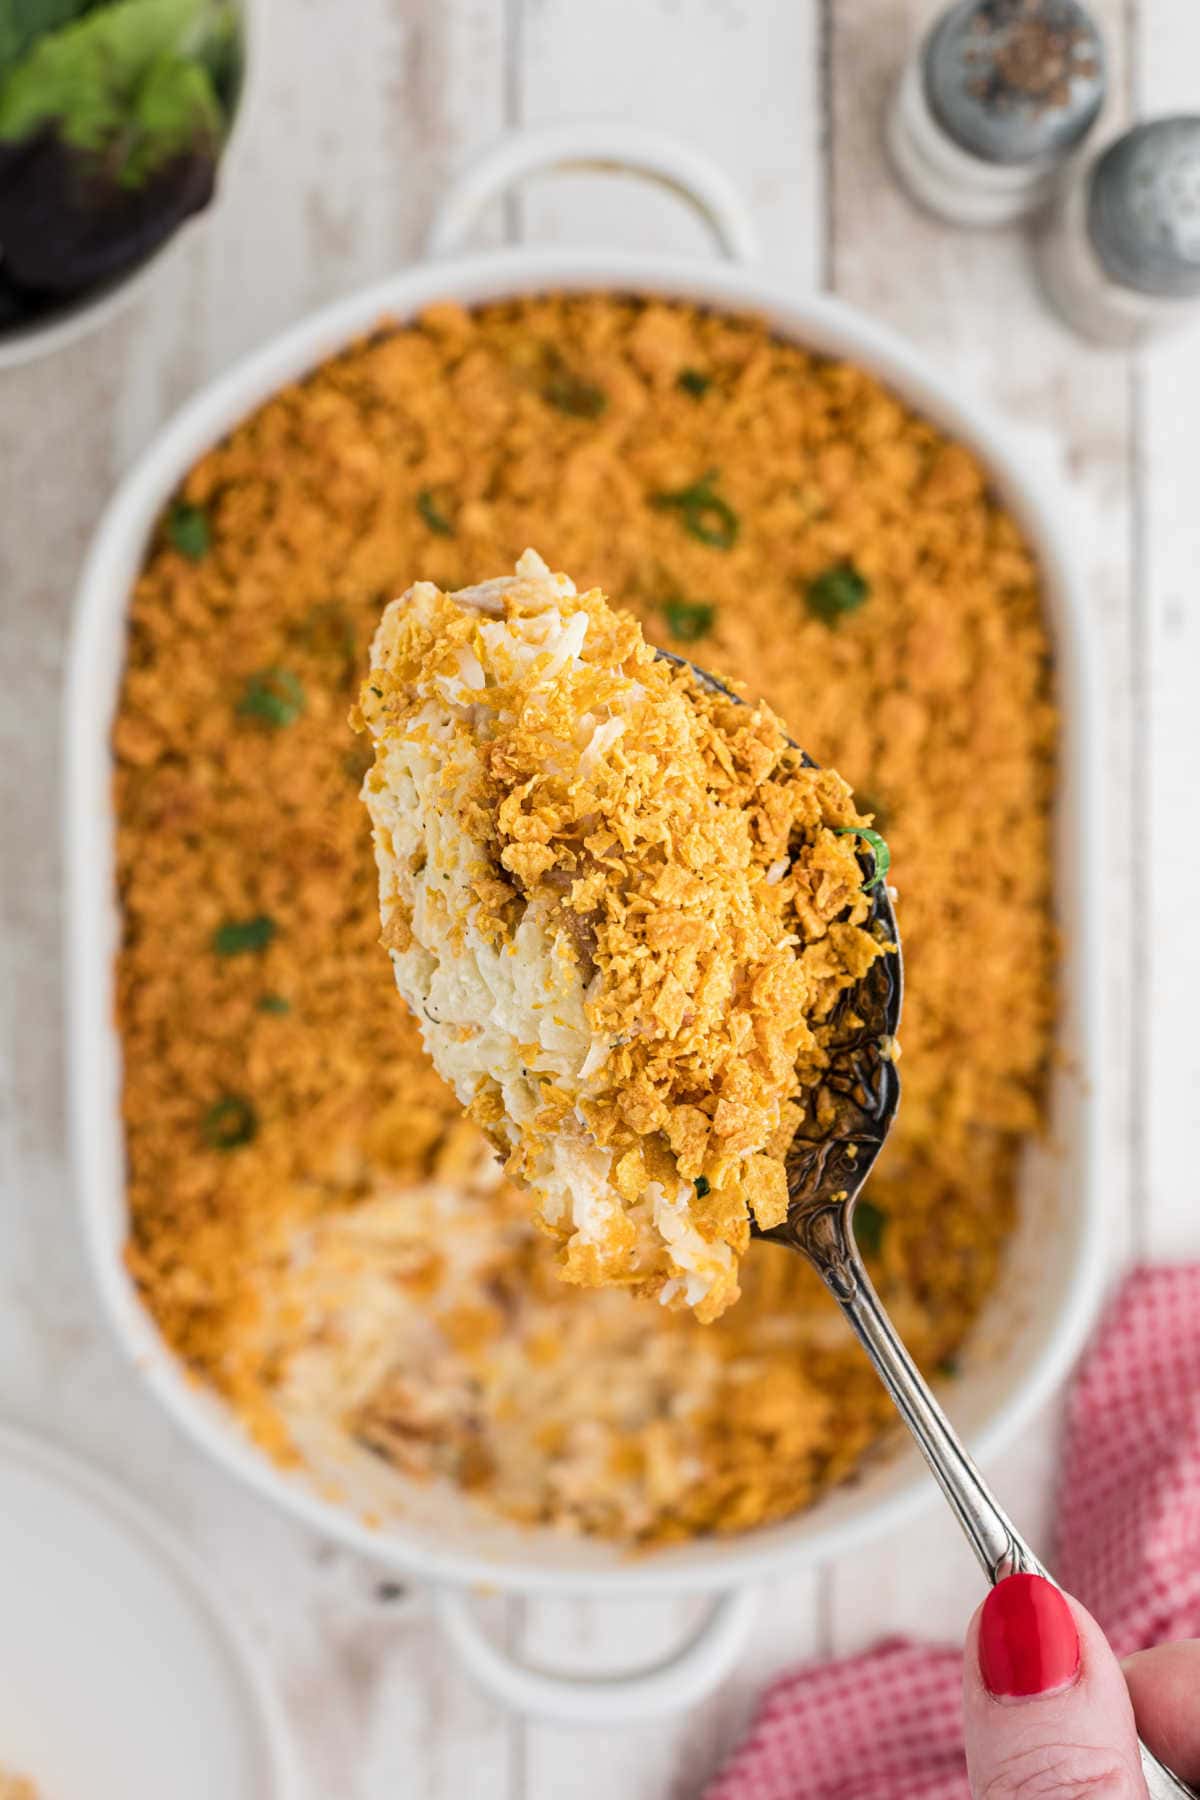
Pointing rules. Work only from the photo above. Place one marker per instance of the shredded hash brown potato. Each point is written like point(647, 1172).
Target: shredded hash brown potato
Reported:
point(623, 908)
point(777, 516)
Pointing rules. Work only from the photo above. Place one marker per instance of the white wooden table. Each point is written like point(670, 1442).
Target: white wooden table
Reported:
point(363, 108)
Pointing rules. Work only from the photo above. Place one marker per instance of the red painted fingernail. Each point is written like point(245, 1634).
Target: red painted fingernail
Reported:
point(1028, 1643)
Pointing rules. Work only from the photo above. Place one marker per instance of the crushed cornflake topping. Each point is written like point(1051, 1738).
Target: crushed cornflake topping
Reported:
point(16, 1787)
point(621, 910)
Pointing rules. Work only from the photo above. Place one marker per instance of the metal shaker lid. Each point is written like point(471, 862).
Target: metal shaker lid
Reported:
point(1144, 208)
point(1014, 81)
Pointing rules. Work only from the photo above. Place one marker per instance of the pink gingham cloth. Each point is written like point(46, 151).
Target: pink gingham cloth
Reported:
point(887, 1725)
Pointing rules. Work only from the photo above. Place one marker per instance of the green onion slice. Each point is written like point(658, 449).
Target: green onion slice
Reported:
point(432, 514)
point(702, 512)
point(189, 530)
point(879, 844)
point(836, 592)
point(571, 393)
point(236, 936)
point(229, 1123)
point(688, 620)
point(273, 696)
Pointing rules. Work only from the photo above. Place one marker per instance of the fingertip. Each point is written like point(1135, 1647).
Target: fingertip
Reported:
point(1028, 1640)
point(1095, 1653)
point(1044, 1700)
point(1163, 1684)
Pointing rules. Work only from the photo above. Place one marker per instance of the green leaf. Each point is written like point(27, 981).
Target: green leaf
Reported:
point(130, 83)
point(702, 512)
point(222, 53)
point(688, 620)
point(23, 22)
point(693, 382)
point(173, 111)
point(702, 1186)
point(273, 696)
point(189, 530)
point(883, 856)
point(229, 1123)
point(836, 592)
point(433, 515)
point(870, 1223)
point(236, 936)
point(274, 1003)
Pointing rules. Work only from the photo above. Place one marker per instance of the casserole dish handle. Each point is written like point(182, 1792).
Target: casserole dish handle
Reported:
point(679, 1680)
point(597, 145)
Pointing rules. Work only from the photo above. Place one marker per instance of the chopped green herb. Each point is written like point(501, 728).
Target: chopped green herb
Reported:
point(694, 382)
point(189, 530)
point(702, 1186)
point(948, 1366)
point(870, 1223)
point(274, 1003)
point(229, 1123)
point(273, 696)
point(883, 856)
point(570, 392)
point(128, 84)
point(22, 24)
point(836, 592)
point(702, 512)
point(688, 620)
point(433, 515)
point(236, 936)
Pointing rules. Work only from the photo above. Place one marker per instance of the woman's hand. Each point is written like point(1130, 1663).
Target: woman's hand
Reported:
point(1050, 1712)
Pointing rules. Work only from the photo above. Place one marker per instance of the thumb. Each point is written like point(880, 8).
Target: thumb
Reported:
point(1047, 1710)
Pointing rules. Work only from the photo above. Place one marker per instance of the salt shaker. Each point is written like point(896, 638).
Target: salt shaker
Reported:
point(997, 95)
point(1121, 255)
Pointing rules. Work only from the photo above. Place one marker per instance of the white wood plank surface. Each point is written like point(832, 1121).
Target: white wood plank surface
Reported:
point(354, 128)
point(732, 77)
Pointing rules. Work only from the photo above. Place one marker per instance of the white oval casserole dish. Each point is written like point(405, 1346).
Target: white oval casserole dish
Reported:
point(1037, 1320)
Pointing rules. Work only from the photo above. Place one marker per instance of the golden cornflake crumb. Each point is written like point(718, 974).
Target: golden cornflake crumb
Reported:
point(629, 907)
point(16, 1787)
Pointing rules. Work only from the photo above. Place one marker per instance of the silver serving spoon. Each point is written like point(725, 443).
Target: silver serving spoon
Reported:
point(826, 1174)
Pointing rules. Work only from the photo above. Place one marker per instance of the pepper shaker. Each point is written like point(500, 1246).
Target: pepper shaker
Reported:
point(1121, 256)
point(996, 96)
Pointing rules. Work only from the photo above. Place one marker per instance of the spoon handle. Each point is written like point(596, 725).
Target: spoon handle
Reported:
point(990, 1532)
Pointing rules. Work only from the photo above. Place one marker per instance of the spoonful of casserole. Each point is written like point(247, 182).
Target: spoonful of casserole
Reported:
point(651, 945)
point(627, 913)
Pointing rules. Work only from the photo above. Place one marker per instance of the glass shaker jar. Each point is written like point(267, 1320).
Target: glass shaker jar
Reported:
point(996, 96)
point(1120, 258)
